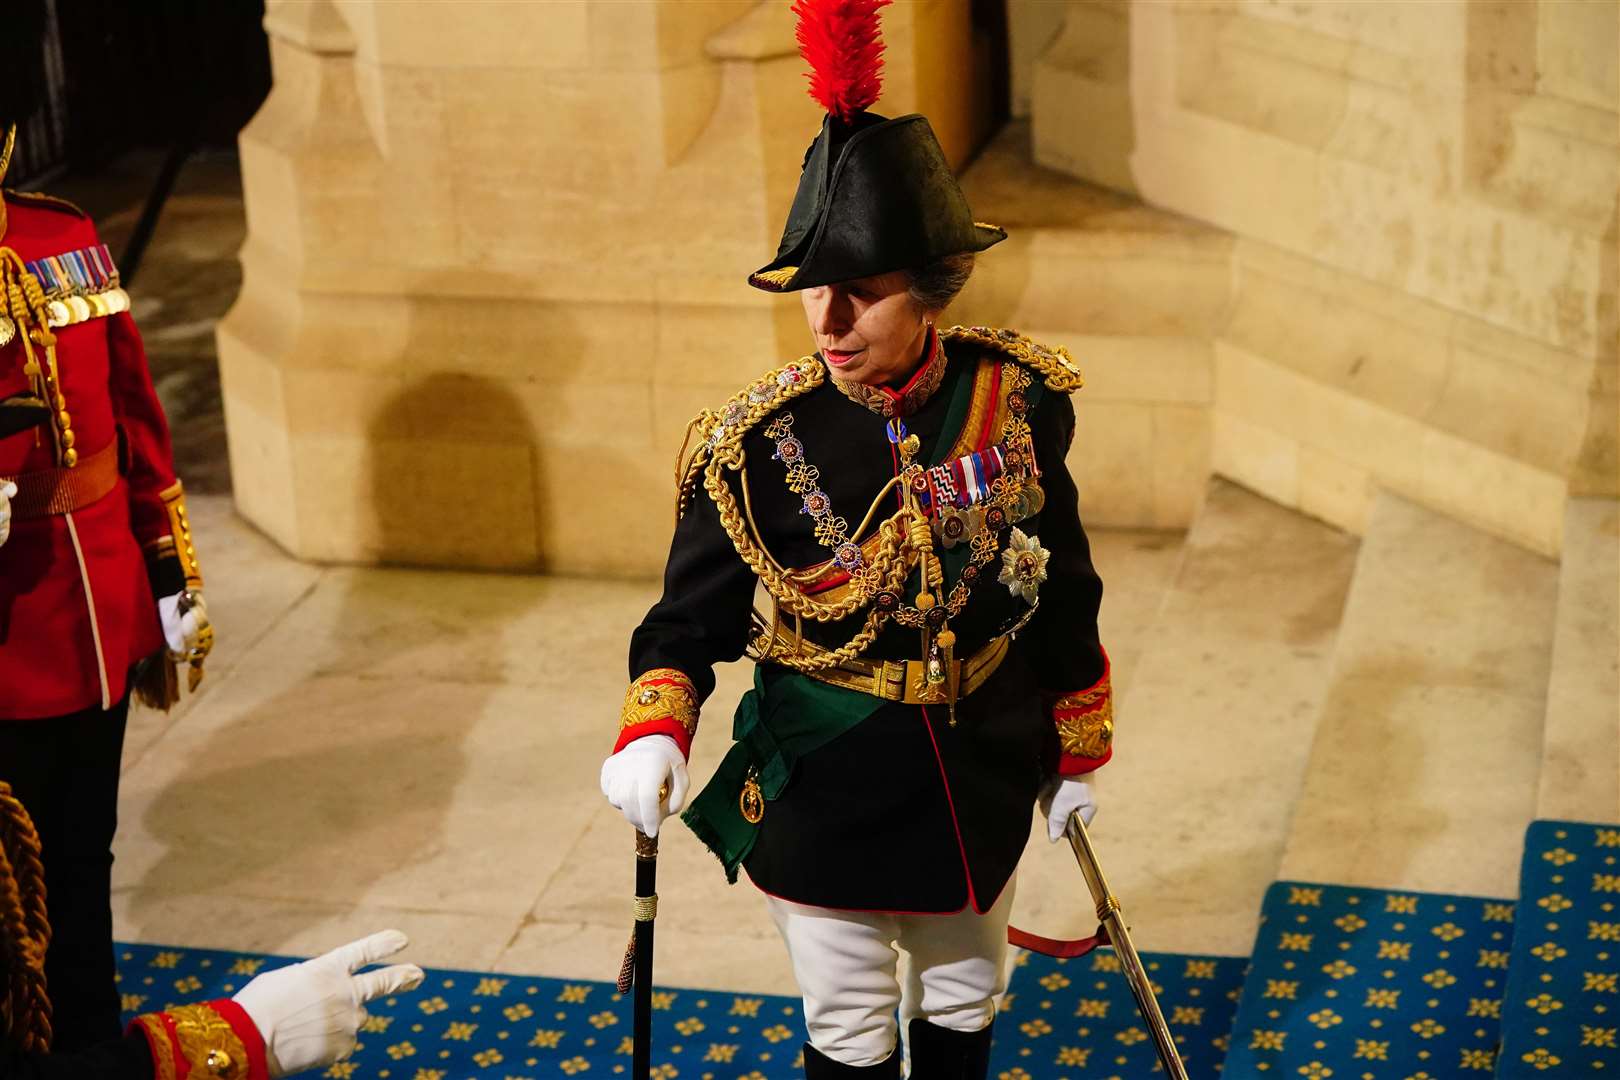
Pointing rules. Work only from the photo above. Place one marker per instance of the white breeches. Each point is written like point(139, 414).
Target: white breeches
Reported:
point(847, 966)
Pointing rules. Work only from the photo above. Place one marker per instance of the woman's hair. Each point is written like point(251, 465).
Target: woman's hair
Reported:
point(935, 283)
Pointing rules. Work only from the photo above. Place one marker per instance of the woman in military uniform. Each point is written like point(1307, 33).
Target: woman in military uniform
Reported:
point(929, 667)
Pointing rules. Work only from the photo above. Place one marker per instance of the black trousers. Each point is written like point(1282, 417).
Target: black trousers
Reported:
point(64, 770)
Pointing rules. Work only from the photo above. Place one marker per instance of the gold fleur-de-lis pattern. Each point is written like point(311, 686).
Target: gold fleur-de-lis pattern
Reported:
point(469, 1026)
point(1345, 984)
point(1357, 983)
point(1561, 1011)
point(1063, 1020)
point(1076, 1020)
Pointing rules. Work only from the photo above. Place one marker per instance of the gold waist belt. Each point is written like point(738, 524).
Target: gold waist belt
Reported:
point(906, 681)
point(62, 491)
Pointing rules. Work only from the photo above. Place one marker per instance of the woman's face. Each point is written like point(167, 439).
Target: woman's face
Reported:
point(869, 330)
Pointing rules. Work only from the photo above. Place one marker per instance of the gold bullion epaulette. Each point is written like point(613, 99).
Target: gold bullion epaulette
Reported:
point(50, 202)
point(1055, 366)
point(719, 432)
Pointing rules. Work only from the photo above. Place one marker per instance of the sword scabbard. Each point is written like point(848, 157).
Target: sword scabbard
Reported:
point(1111, 915)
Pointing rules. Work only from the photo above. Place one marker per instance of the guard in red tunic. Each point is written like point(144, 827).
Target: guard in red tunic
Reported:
point(929, 667)
point(99, 588)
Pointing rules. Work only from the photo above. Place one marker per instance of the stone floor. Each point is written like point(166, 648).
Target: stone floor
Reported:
point(421, 749)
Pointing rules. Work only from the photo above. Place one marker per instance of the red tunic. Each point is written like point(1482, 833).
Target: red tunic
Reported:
point(76, 606)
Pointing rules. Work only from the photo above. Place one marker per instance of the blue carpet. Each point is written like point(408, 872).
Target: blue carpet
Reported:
point(1061, 1019)
point(1355, 983)
point(463, 1025)
point(1562, 1008)
point(1076, 1020)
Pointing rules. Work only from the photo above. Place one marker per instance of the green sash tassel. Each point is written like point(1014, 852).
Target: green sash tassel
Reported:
point(785, 716)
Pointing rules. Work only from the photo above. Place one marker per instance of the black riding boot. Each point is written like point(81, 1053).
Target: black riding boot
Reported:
point(942, 1054)
point(818, 1066)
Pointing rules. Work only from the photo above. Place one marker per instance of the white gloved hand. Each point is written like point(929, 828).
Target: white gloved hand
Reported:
point(309, 1013)
point(633, 778)
point(180, 629)
point(1062, 797)
point(7, 490)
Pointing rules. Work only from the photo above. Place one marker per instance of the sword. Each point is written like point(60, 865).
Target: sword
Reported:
point(1110, 914)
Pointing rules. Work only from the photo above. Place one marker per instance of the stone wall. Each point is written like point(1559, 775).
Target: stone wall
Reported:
point(1421, 199)
point(496, 262)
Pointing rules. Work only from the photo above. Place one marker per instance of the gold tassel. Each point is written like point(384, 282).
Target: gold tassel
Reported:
point(627, 970)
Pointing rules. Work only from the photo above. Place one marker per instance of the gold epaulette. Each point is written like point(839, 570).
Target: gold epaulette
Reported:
point(39, 198)
point(1055, 366)
point(720, 431)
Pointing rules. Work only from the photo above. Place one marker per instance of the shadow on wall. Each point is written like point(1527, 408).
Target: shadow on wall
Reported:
point(331, 775)
point(451, 477)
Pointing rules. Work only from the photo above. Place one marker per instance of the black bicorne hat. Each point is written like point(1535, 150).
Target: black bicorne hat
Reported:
point(876, 194)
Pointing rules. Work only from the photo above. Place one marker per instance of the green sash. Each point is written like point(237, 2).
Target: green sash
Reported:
point(785, 716)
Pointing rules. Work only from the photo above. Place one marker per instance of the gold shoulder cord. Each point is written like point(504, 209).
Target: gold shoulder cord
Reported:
point(1055, 366)
point(25, 932)
point(721, 451)
point(902, 537)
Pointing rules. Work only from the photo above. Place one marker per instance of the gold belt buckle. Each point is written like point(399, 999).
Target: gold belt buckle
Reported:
point(918, 689)
point(891, 680)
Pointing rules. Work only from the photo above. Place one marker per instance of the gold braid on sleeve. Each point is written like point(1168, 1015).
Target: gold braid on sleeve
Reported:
point(157, 1036)
point(208, 1043)
point(1085, 720)
point(157, 683)
point(661, 694)
point(179, 540)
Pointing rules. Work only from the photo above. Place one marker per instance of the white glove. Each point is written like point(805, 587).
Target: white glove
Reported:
point(633, 778)
point(309, 1013)
point(7, 490)
point(180, 629)
point(1062, 797)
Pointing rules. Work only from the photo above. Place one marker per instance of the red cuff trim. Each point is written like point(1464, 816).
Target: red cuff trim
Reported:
point(169, 1055)
point(246, 1030)
point(667, 726)
point(167, 1064)
point(1073, 765)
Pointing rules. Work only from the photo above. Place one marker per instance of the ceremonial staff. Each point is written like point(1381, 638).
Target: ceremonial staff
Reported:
point(636, 972)
point(1111, 916)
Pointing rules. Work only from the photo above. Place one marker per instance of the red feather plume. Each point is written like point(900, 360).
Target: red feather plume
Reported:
point(841, 42)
